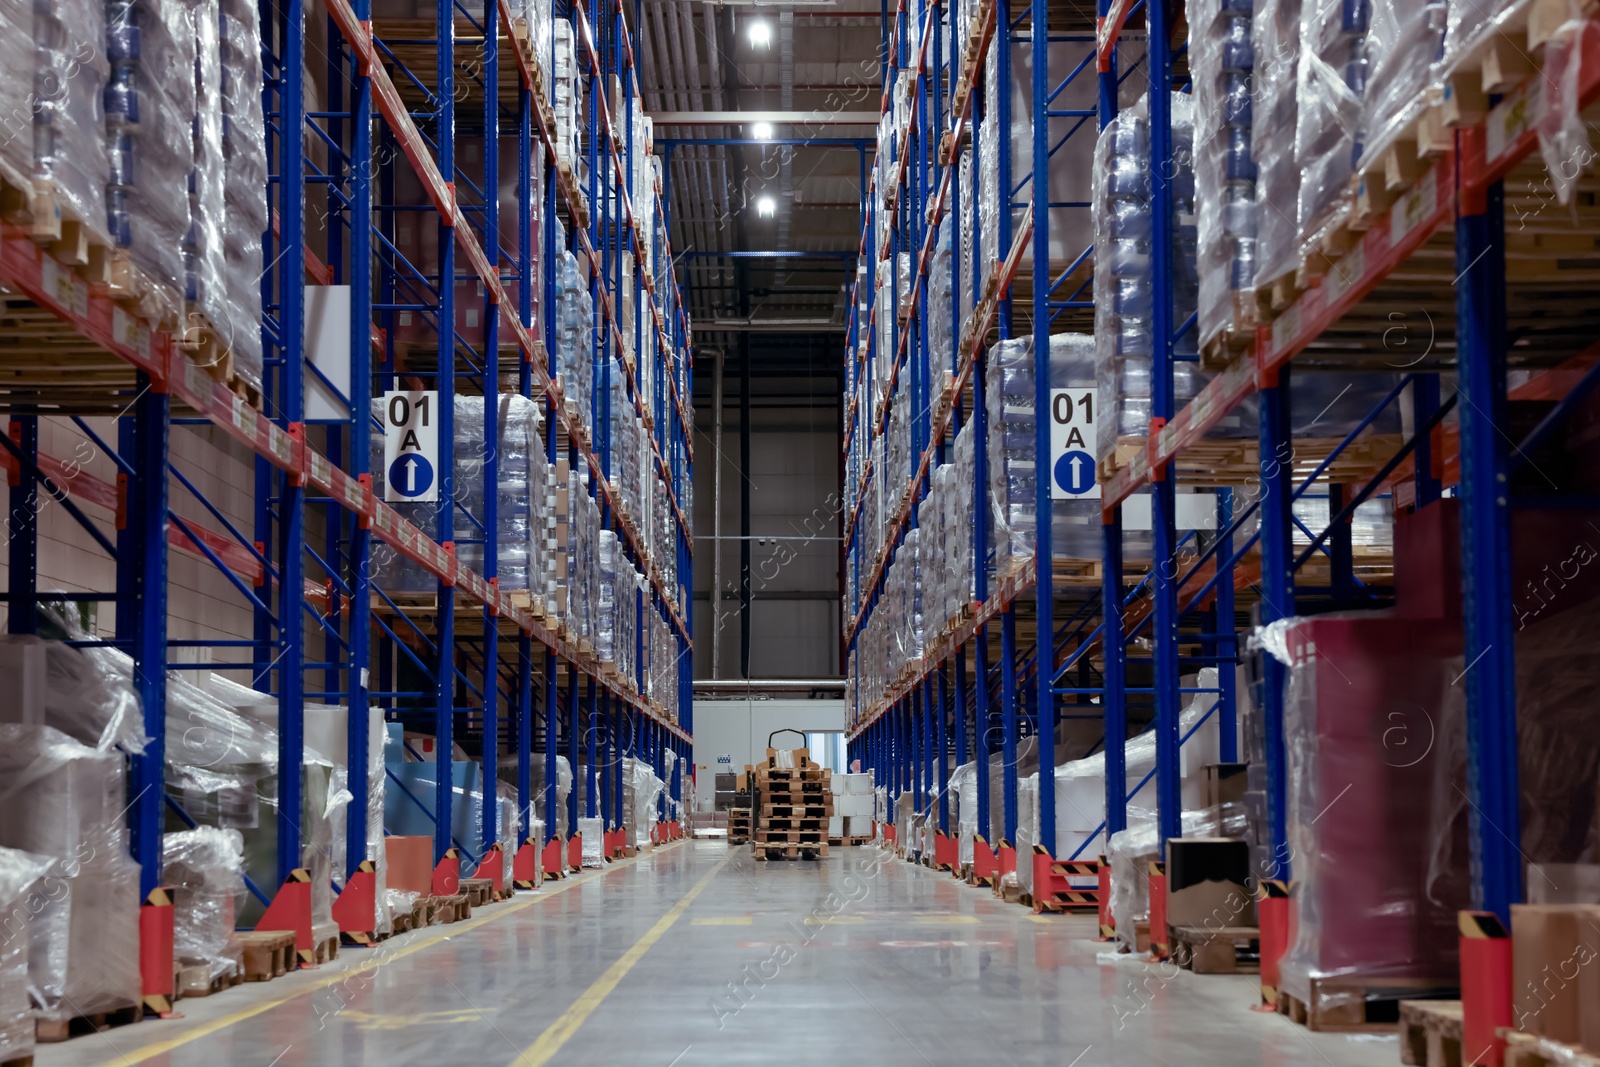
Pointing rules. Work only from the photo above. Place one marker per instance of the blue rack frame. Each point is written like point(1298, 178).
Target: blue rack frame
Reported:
point(316, 636)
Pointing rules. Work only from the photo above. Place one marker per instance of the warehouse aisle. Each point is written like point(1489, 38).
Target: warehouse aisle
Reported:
point(697, 954)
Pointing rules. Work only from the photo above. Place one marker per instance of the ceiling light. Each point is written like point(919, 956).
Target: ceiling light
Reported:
point(761, 131)
point(766, 207)
point(761, 33)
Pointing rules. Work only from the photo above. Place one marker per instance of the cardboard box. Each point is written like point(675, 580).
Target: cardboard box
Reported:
point(854, 804)
point(1206, 883)
point(1225, 783)
point(1551, 946)
point(1563, 883)
point(857, 826)
point(24, 672)
point(836, 826)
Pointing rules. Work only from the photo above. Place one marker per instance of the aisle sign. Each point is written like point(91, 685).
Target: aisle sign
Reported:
point(410, 445)
point(1072, 474)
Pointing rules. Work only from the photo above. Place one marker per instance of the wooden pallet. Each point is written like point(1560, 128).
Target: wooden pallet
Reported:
point(1354, 1004)
point(768, 852)
point(51, 1030)
point(18, 1061)
point(1430, 1033)
point(1526, 1050)
point(478, 891)
point(1235, 336)
point(268, 954)
point(849, 842)
point(793, 837)
point(324, 950)
point(194, 980)
point(795, 811)
point(1230, 950)
point(448, 909)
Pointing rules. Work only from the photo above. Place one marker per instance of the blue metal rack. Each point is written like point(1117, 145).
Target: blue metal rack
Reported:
point(1186, 607)
point(477, 662)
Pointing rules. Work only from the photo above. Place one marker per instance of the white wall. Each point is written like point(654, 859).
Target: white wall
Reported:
point(202, 603)
point(739, 729)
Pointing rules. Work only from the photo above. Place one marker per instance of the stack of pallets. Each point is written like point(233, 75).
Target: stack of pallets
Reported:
point(793, 801)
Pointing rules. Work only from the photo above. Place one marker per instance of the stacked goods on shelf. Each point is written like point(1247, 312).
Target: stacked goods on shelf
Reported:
point(1333, 84)
point(1123, 282)
point(149, 111)
point(1070, 145)
point(618, 632)
point(641, 790)
point(568, 103)
point(852, 820)
point(205, 869)
point(16, 97)
point(1074, 524)
point(944, 518)
point(244, 150)
point(577, 537)
point(574, 335)
point(1080, 787)
point(1221, 62)
point(1275, 40)
point(533, 24)
point(519, 453)
point(557, 820)
point(19, 875)
point(1404, 50)
point(205, 293)
point(65, 94)
point(793, 804)
point(64, 802)
point(522, 551)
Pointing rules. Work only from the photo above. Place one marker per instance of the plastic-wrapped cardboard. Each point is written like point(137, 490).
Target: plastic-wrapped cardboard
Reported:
point(20, 872)
point(205, 868)
point(65, 801)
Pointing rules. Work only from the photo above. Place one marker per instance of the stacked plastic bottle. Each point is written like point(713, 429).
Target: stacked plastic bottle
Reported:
point(244, 149)
point(149, 111)
point(1275, 35)
point(69, 75)
point(519, 454)
point(1333, 83)
point(1123, 283)
point(1221, 62)
point(574, 335)
point(944, 524)
point(16, 138)
point(204, 255)
point(936, 310)
point(568, 95)
point(1405, 49)
point(606, 637)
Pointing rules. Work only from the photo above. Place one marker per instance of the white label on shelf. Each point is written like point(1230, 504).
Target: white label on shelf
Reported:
point(1286, 327)
point(1410, 210)
point(281, 443)
point(129, 332)
point(411, 445)
point(1072, 437)
point(244, 417)
point(321, 471)
point(1346, 274)
point(1512, 117)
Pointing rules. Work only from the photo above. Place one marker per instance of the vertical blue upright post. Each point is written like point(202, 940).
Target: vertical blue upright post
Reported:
point(1227, 641)
point(1277, 602)
point(1169, 801)
point(1045, 667)
point(444, 533)
point(1496, 825)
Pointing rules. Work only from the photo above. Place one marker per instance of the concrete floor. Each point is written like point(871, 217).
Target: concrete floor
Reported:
point(696, 954)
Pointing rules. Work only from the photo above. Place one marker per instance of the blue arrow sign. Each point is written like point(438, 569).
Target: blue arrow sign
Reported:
point(411, 475)
point(1074, 472)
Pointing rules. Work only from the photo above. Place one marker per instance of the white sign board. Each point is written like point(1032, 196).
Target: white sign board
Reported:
point(410, 445)
point(1072, 473)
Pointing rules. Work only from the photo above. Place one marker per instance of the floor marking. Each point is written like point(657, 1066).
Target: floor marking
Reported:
point(721, 920)
point(835, 920)
point(378, 959)
point(560, 1032)
point(948, 920)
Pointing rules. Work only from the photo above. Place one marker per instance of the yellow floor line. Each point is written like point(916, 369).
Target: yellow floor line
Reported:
point(721, 920)
point(379, 956)
point(560, 1032)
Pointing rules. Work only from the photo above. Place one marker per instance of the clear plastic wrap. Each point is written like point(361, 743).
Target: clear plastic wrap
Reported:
point(1275, 37)
point(1222, 61)
point(16, 98)
point(1405, 48)
point(88, 695)
point(19, 872)
point(150, 108)
point(563, 790)
point(641, 789)
point(69, 81)
point(204, 252)
point(1361, 818)
point(205, 868)
point(1333, 84)
point(63, 800)
point(244, 147)
point(1563, 135)
point(594, 846)
point(964, 789)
